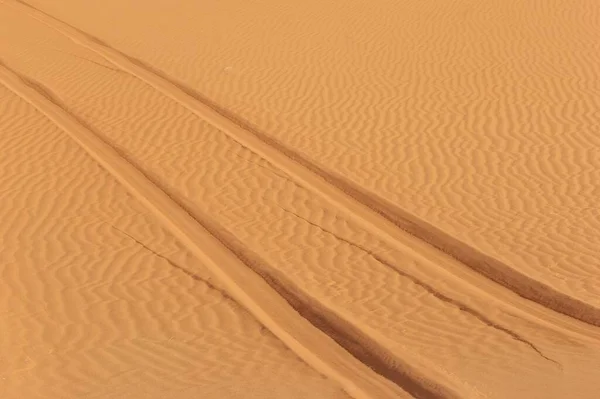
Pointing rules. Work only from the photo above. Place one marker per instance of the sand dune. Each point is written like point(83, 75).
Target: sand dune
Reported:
point(375, 284)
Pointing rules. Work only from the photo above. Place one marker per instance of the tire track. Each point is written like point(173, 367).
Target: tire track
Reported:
point(307, 327)
point(431, 290)
point(377, 215)
point(360, 341)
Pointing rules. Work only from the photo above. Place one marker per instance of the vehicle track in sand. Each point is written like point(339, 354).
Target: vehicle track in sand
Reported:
point(307, 327)
point(377, 215)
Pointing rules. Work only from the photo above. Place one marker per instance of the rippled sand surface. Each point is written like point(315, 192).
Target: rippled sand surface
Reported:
point(269, 199)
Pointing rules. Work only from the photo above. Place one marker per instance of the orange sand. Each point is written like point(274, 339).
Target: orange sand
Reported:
point(296, 199)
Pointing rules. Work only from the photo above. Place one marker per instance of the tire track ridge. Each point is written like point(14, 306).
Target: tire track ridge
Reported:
point(356, 201)
point(262, 293)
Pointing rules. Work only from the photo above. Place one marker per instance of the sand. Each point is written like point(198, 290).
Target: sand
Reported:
point(272, 200)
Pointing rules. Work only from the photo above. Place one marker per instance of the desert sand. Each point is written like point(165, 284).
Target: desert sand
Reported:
point(266, 199)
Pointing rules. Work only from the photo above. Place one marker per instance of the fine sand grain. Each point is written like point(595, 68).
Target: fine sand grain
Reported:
point(297, 199)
